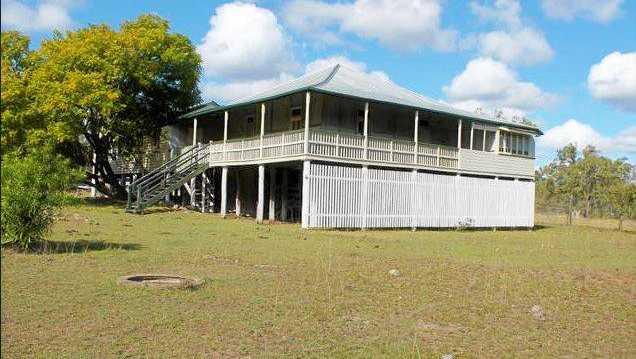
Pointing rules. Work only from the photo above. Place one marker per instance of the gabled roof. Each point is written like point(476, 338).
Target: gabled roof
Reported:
point(340, 80)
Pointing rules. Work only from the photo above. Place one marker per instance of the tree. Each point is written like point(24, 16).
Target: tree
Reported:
point(32, 189)
point(580, 183)
point(113, 88)
point(622, 198)
point(14, 103)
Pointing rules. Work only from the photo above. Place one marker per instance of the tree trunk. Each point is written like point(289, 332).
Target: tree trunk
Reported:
point(620, 223)
point(570, 210)
point(105, 179)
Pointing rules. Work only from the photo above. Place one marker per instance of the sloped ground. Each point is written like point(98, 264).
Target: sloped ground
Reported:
point(277, 291)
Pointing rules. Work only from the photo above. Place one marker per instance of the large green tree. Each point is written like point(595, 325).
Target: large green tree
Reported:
point(14, 104)
point(113, 87)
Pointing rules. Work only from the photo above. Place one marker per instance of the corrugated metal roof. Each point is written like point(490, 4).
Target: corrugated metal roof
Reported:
point(341, 80)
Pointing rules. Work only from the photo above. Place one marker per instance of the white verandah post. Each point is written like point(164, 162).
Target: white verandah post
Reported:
point(307, 103)
point(262, 128)
point(472, 130)
point(459, 134)
point(416, 136)
point(193, 180)
point(497, 140)
point(366, 130)
point(226, 116)
point(306, 168)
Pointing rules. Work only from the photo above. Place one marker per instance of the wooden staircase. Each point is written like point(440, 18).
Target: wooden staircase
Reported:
point(156, 184)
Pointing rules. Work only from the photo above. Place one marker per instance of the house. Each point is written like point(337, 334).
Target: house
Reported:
point(344, 149)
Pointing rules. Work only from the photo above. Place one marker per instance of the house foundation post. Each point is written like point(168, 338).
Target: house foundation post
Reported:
point(204, 180)
point(272, 194)
point(305, 195)
point(413, 201)
point(261, 194)
point(224, 191)
point(364, 203)
point(237, 197)
point(283, 194)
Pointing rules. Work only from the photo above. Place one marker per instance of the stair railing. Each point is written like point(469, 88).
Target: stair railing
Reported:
point(173, 173)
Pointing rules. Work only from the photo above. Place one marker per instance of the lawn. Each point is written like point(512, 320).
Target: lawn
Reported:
point(274, 290)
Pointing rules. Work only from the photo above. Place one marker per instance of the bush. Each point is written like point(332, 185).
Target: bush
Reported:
point(32, 190)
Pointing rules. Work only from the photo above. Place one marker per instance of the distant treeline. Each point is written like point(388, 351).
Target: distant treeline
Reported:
point(585, 183)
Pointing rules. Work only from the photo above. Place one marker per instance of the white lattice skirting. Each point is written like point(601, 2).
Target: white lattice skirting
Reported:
point(355, 197)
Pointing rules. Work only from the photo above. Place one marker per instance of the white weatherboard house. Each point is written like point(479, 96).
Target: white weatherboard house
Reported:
point(344, 149)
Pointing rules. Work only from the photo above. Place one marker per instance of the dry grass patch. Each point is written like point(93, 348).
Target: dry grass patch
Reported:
point(277, 291)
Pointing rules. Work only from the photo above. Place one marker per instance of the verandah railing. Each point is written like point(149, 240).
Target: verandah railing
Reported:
point(380, 149)
point(331, 144)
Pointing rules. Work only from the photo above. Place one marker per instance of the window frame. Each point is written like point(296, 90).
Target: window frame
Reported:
point(292, 121)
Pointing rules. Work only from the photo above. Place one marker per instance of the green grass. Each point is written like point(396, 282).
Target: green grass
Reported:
point(272, 291)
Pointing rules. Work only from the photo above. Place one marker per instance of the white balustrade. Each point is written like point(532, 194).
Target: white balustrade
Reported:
point(332, 144)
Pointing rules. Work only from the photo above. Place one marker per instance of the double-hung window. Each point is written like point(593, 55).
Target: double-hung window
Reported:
point(296, 118)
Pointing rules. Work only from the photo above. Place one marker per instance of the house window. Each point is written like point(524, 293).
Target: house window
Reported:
point(360, 121)
point(250, 128)
point(466, 135)
point(490, 141)
point(514, 143)
point(296, 118)
point(478, 139)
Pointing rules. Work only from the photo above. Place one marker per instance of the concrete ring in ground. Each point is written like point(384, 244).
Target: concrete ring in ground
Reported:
point(160, 281)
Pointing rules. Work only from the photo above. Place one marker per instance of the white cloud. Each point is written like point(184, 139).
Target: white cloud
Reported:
point(614, 80)
point(489, 84)
point(235, 89)
point(582, 134)
point(43, 16)
point(245, 42)
point(398, 24)
point(232, 90)
point(526, 46)
point(513, 42)
point(322, 63)
point(596, 10)
point(506, 12)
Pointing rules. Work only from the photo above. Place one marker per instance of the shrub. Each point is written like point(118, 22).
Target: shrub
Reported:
point(32, 189)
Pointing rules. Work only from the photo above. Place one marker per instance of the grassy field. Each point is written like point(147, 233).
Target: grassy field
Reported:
point(273, 291)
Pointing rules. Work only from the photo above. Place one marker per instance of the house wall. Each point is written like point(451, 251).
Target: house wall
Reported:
point(495, 164)
point(349, 197)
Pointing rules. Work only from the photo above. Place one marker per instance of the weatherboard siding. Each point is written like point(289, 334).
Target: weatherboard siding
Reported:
point(356, 197)
point(495, 164)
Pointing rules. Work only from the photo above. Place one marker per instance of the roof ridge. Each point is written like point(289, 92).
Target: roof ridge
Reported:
point(328, 78)
point(282, 85)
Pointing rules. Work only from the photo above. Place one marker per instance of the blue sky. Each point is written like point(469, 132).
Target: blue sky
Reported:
point(570, 65)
